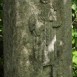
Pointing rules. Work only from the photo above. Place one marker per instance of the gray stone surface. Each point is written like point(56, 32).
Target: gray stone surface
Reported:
point(37, 38)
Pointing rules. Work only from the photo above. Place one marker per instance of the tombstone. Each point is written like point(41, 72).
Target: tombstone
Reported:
point(37, 38)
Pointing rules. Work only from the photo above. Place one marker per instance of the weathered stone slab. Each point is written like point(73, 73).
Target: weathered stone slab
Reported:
point(37, 38)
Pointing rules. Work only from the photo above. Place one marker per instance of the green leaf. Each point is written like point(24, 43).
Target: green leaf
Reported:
point(75, 57)
point(74, 7)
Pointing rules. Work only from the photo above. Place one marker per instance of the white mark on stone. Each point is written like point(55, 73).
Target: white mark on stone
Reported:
point(27, 62)
point(25, 50)
point(46, 60)
point(52, 14)
point(50, 3)
point(38, 24)
point(33, 8)
point(51, 45)
point(61, 43)
point(49, 49)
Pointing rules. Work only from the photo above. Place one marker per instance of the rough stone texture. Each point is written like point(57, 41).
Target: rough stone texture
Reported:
point(37, 38)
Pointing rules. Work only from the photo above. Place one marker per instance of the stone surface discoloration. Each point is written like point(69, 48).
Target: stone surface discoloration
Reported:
point(45, 1)
point(37, 38)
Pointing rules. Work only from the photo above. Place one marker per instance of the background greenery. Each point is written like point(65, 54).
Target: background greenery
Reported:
point(74, 37)
point(1, 39)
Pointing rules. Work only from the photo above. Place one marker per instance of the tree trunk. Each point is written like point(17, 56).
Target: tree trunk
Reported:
point(37, 38)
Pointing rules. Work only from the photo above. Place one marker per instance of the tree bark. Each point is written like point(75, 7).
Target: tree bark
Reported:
point(37, 38)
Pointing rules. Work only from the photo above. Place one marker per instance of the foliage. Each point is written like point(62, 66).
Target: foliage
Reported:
point(1, 39)
point(1, 22)
point(74, 36)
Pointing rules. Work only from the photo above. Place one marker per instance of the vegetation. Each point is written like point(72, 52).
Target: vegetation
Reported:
point(74, 37)
point(1, 39)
